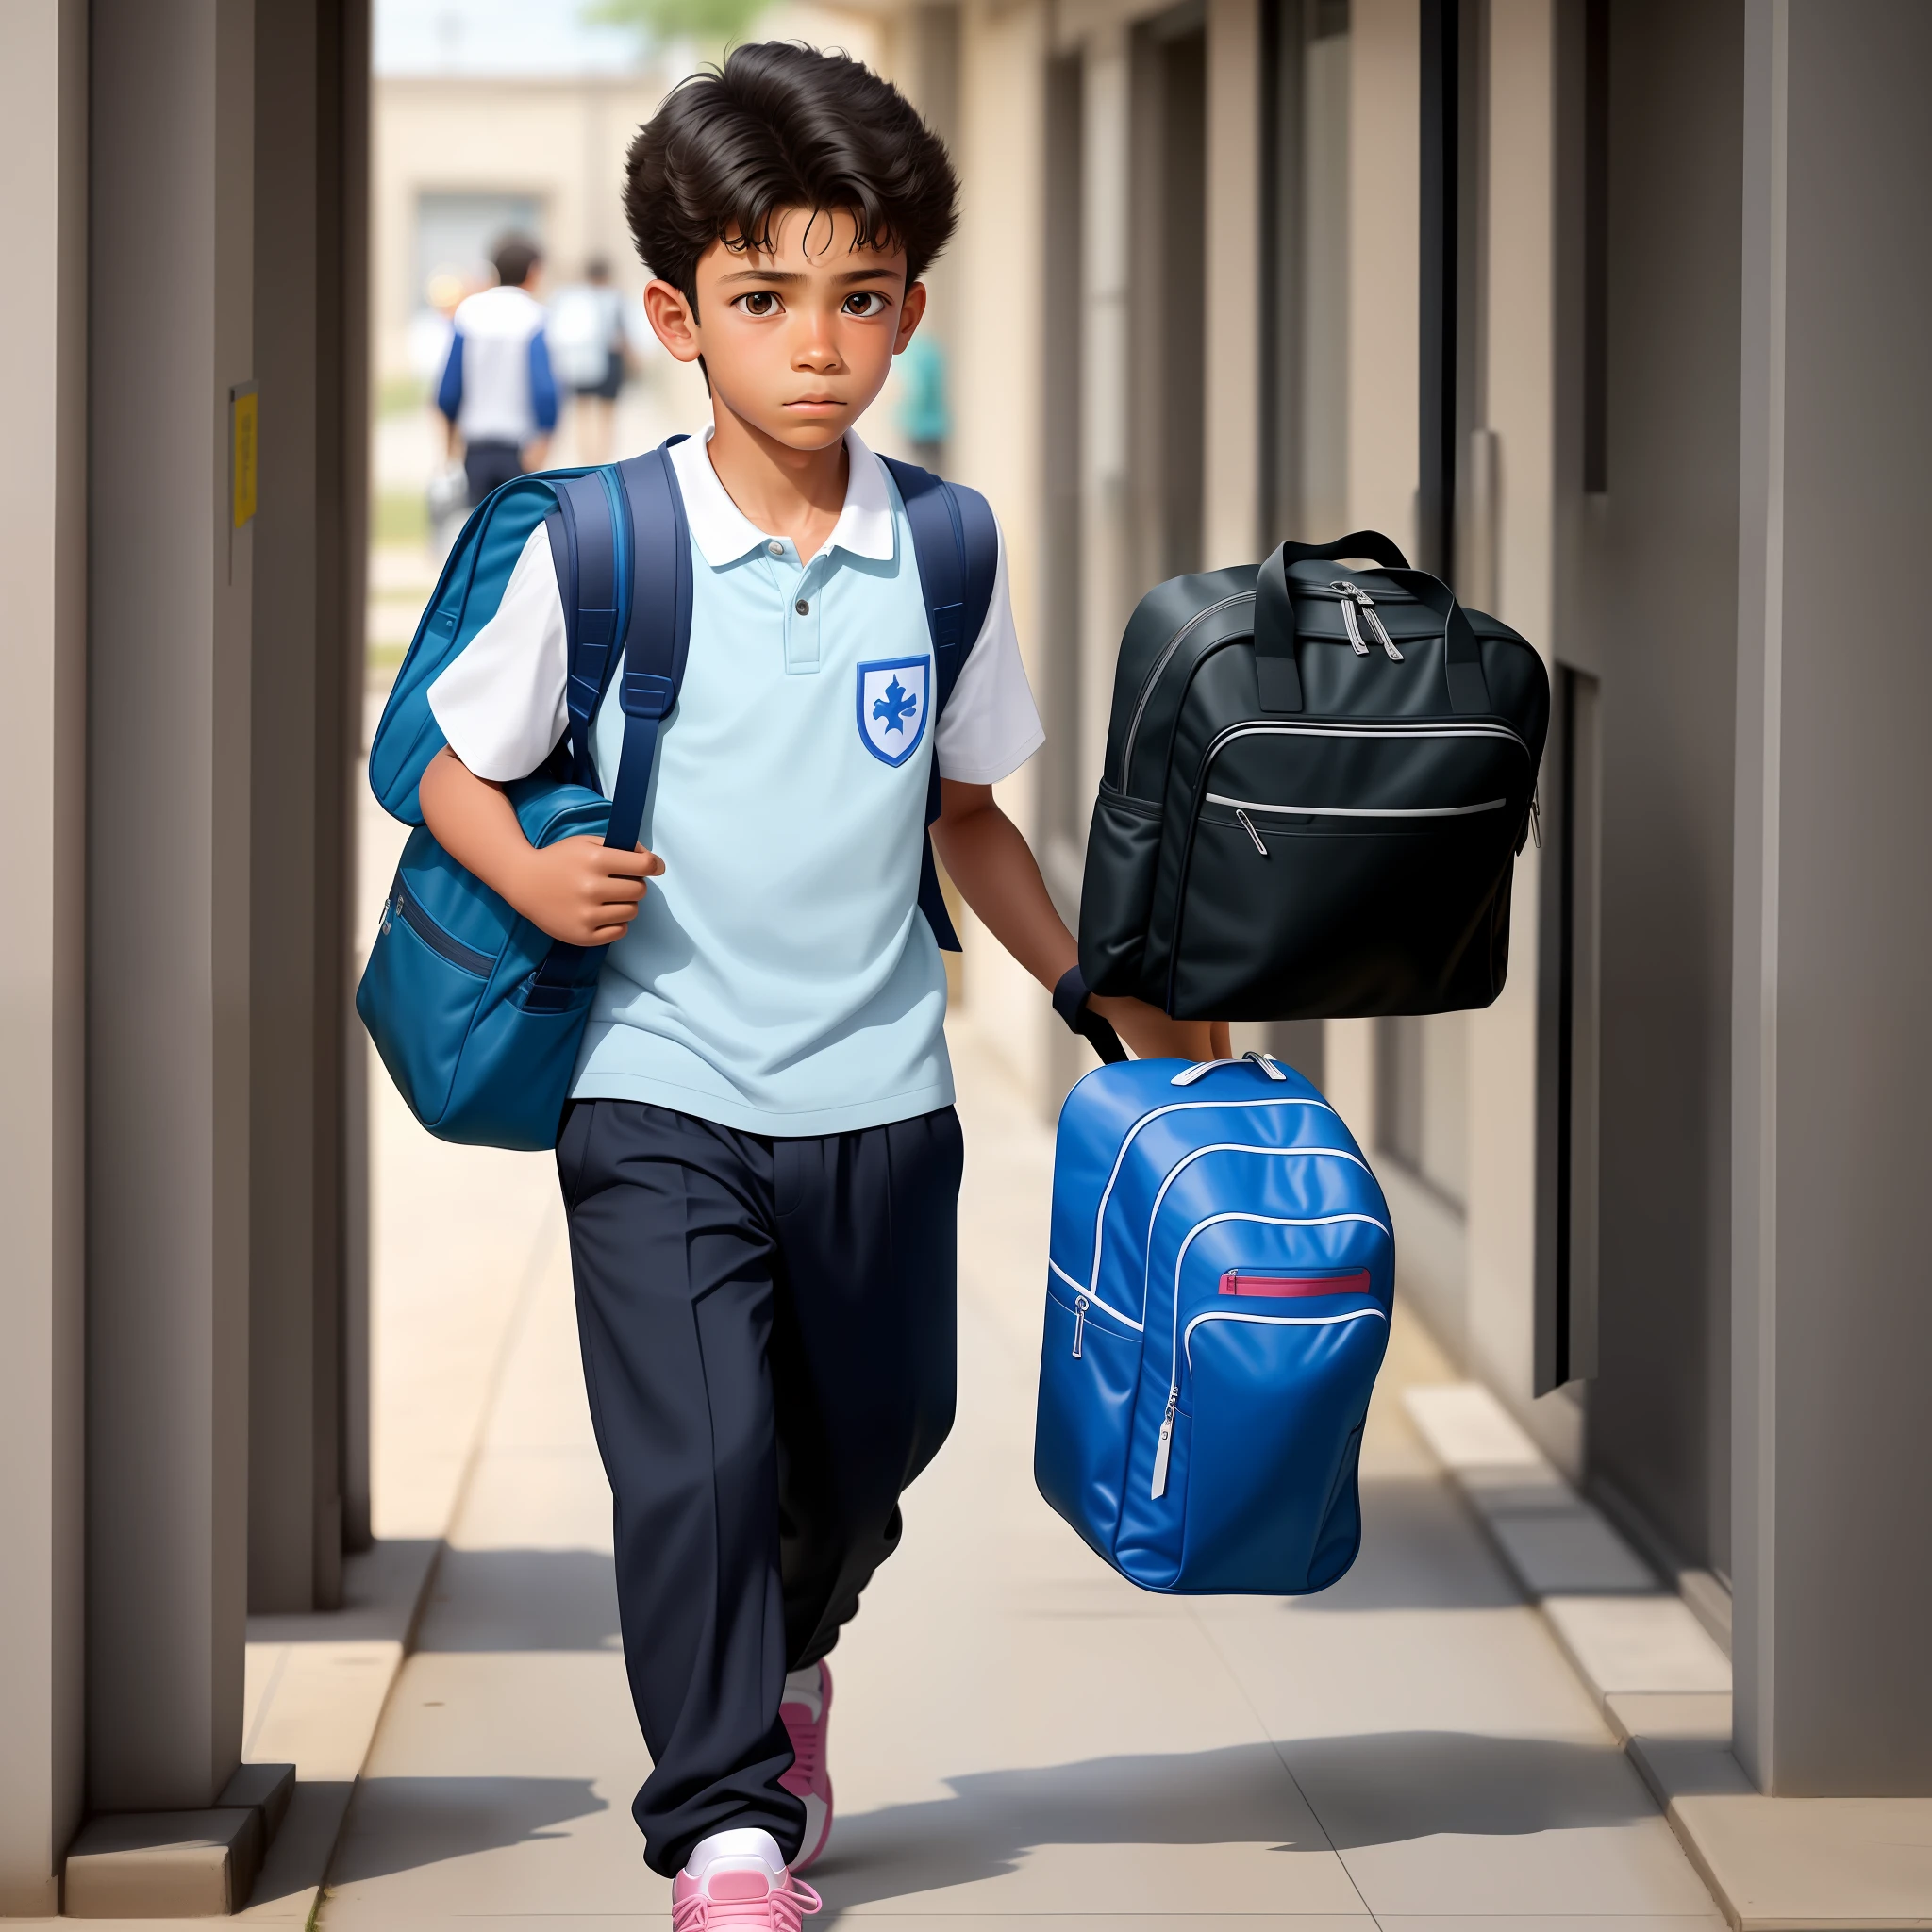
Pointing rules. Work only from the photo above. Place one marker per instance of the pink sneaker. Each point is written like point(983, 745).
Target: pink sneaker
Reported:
point(741, 1893)
point(807, 1713)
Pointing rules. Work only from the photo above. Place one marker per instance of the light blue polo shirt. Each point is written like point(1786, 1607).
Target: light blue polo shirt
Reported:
point(780, 977)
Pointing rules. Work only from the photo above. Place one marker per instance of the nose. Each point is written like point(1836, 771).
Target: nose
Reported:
point(817, 348)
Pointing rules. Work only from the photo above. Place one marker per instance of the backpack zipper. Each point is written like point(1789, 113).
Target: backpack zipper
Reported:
point(1355, 599)
point(1079, 1324)
point(1229, 733)
point(1164, 1447)
point(446, 944)
point(1243, 806)
point(1160, 664)
point(1238, 1281)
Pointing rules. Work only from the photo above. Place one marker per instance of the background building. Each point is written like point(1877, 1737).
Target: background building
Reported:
point(1564, 299)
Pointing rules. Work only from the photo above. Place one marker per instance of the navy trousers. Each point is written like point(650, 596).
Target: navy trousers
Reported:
point(768, 1331)
point(489, 465)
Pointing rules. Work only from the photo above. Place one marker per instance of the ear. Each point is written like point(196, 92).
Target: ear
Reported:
point(672, 321)
point(910, 312)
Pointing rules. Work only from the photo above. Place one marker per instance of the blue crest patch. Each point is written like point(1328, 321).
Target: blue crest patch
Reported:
point(893, 694)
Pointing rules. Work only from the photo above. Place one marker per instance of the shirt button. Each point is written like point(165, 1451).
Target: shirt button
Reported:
point(777, 548)
point(803, 608)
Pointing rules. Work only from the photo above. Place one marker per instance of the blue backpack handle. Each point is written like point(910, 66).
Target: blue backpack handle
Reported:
point(957, 547)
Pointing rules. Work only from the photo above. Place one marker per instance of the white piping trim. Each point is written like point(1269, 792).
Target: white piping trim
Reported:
point(1056, 1267)
point(1148, 1120)
point(1225, 1147)
point(1350, 812)
point(1272, 1321)
point(1371, 731)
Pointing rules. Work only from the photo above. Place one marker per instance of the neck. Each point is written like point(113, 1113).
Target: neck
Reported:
point(792, 492)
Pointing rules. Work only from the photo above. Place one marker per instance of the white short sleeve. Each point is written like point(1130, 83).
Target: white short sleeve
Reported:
point(501, 704)
point(990, 727)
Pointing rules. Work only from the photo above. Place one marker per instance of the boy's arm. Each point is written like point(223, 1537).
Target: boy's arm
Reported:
point(578, 889)
point(986, 859)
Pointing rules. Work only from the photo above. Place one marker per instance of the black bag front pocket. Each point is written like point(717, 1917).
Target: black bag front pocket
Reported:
point(1123, 851)
point(1288, 918)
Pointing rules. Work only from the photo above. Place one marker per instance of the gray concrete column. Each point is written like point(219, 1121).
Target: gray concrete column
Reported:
point(167, 908)
point(1832, 1041)
point(294, 1529)
point(42, 870)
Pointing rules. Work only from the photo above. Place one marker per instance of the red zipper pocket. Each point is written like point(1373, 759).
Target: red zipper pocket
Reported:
point(1235, 1282)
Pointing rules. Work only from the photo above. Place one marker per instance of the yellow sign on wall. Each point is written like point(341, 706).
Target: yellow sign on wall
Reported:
point(244, 456)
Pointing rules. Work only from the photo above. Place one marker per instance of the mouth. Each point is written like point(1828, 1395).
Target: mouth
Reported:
point(816, 405)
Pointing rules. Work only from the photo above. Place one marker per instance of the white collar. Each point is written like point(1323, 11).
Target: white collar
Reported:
point(723, 533)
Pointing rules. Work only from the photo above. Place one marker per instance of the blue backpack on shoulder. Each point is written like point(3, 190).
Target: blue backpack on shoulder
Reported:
point(476, 1013)
point(1218, 1290)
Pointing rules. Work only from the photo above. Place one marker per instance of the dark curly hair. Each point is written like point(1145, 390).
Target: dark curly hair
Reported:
point(782, 126)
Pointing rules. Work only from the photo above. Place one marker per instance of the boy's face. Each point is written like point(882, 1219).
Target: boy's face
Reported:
point(796, 342)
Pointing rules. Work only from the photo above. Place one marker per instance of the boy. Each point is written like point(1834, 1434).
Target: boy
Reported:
point(760, 1163)
point(497, 393)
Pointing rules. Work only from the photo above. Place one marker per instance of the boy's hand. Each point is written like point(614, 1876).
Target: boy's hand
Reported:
point(581, 892)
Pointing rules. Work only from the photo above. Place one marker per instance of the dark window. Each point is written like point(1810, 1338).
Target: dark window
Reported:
point(1568, 1080)
point(1066, 176)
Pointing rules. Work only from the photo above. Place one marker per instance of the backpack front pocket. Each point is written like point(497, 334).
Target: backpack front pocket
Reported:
point(418, 969)
point(1346, 869)
point(1277, 1403)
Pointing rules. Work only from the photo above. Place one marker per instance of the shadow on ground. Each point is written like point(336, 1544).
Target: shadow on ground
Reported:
point(1376, 1788)
point(403, 1823)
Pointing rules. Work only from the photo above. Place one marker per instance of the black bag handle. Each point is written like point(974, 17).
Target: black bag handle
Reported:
point(1071, 1002)
point(1275, 672)
point(1371, 543)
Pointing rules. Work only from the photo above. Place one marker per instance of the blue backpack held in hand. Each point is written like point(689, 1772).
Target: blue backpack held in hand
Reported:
point(1218, 1290)
point(476, 1013)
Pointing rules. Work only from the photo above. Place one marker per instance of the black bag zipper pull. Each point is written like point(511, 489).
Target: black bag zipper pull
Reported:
point(1248, 826)
point(1354, 599)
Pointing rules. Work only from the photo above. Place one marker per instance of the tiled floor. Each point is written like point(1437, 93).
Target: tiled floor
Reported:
point(1021, 1739)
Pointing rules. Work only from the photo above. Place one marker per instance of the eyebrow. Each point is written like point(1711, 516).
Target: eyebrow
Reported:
point(790, 276)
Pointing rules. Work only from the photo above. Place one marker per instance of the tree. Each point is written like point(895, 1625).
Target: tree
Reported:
point(711, 22)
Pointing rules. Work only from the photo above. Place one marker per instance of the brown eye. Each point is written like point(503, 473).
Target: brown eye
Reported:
point(760, 302)
point(866, 302)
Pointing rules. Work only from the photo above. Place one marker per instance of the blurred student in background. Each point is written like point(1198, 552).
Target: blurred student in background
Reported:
point(590, 352)
point(497, 392)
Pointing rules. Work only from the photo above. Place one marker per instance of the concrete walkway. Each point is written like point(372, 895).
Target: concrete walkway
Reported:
point(1021, 1738)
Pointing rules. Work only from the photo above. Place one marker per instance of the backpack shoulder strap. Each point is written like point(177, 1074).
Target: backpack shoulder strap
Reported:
point(586, 534)
point(957, 547)
point(649, 534)
point(656, 637)
point(956, 543)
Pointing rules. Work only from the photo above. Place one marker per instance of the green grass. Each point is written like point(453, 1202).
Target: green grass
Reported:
point(400, 516)
point(397, 395)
